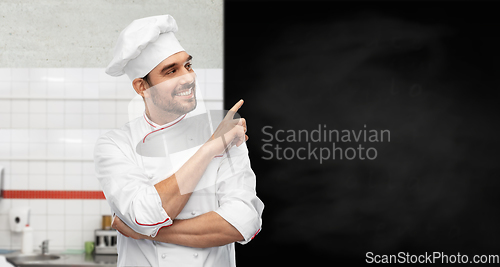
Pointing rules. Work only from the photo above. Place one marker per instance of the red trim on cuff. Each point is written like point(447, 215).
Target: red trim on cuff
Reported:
point(145, 224)
point(164, 227)
point(258, 231)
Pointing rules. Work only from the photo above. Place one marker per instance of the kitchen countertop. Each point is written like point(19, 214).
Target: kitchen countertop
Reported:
point(73, 260)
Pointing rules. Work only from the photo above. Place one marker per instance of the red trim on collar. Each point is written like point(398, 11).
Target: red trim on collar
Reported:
point(144, 139)
point(144, 115)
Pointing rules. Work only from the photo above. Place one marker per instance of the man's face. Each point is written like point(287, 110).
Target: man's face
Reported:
point(172, 85)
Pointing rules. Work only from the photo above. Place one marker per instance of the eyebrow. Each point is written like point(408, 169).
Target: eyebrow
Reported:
point(173, 64)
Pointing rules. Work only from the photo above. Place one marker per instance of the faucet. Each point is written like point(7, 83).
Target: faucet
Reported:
point(45, 247)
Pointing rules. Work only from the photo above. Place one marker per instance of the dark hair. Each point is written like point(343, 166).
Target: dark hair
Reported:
point(146, 78)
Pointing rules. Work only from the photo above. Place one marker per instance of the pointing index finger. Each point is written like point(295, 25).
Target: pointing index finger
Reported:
point(234, 109)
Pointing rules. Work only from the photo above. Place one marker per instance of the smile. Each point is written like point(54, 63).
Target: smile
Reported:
point(187, 93)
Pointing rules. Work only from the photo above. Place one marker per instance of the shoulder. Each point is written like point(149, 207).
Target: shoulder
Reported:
point(119, 137)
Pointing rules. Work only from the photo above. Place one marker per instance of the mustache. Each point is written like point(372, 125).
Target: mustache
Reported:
point(186, 86)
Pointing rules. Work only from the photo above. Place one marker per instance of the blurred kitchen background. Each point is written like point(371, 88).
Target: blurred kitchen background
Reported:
point(50, 120)
point(56, 100)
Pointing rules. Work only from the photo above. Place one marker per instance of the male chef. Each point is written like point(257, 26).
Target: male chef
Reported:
point(178, 180)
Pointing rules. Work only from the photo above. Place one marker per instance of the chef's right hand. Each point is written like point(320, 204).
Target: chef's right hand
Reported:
point(229, 132)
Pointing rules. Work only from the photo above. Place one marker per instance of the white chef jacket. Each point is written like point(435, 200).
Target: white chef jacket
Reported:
point(130, 160)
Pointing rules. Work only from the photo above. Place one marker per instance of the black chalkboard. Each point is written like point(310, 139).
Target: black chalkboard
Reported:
point(425, 72)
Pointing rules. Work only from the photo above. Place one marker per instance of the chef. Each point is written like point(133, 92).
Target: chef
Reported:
point(177, 178)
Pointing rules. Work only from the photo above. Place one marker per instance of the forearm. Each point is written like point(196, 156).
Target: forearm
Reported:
point(206, 230)
point(176, 189)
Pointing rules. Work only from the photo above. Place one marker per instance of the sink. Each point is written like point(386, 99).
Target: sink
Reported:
point(22, 259)
point(60, 260)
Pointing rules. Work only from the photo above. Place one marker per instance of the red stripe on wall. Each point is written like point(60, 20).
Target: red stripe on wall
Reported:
point(53, 194)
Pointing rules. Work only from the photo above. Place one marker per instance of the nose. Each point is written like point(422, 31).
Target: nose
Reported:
point(187, 77)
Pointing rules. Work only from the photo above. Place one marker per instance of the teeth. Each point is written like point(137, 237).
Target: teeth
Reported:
point(188, 92)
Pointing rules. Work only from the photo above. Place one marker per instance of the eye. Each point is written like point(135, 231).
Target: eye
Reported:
point(171, 71)
point(188, 66)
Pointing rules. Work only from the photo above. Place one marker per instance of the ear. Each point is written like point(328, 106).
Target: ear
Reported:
point(140, 86)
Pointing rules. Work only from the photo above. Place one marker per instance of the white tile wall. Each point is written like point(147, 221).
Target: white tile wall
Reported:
point(49, 121)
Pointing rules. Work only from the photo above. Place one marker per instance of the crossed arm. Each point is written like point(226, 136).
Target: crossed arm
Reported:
point(206, 230)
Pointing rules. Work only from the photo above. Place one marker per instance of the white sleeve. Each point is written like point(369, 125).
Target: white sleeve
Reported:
point(238, 201)
point(128, 190)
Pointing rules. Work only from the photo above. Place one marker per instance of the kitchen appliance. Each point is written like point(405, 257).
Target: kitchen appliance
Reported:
point(105, 241)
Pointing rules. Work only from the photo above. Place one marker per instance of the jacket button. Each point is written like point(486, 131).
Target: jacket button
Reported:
point(163, 256)
point(195, 255)
point(193, 212)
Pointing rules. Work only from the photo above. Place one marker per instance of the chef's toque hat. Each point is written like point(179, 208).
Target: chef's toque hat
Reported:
point(143, 45)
